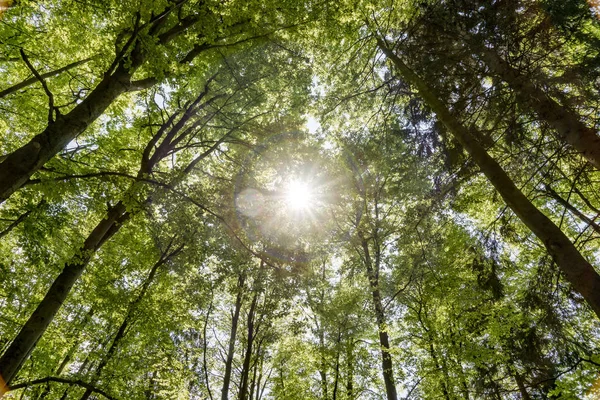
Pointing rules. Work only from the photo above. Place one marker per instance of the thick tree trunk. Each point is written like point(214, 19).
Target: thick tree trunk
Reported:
point(243, 394)
point(564, 121)
point(230, 351)
point(577, 270)
point(20, 348)
point(384, 341)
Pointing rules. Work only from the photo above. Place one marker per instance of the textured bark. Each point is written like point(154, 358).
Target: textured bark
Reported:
point(38, 322)
point(576, 269)
point(230, 351)
point(387, 367)
point(564, 121)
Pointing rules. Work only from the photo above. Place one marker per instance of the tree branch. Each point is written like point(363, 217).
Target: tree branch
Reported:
point(77, 382)
point(51, 107)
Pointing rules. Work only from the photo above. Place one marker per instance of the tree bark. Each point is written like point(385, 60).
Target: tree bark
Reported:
point(243, 394)
point(18, 166)
point(38, 322)
point(577, 270)
point(565, 122)
point(234, 325)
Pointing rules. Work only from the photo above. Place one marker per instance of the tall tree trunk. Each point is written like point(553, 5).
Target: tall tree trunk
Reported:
point(564, 121)
point(243, 394)
point(384, 341)
point(577, 270)
point(234, 325)
point(20, 348)
point(323, 364)
point(350, 370)
point(337, 366)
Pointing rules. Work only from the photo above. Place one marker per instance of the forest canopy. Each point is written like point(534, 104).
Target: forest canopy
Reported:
point(299, 199)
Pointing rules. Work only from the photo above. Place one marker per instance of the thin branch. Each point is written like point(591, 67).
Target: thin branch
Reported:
point(77, 382)
point(51, 107)
point(30, 81)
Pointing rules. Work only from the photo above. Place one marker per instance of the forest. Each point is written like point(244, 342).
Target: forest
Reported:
point(299, 199)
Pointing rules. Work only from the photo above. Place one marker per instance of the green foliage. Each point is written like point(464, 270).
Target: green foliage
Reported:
point(401, 236)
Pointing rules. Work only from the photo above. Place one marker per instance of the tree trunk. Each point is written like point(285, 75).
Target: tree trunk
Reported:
point(577, 270)
point(384, 341)
point(564, 121)
point(234, 325)
point(350, 370)
point(126, 321)
point(20, 348)
point(337, 367)
point(243, 394)
point(17, 167)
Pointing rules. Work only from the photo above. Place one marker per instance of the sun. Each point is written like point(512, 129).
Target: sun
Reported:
point(299, 195)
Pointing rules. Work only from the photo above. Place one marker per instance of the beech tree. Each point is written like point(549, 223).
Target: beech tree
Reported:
point(299, 200)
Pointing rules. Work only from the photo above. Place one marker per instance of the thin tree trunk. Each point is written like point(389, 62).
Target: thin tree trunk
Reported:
point(33, 80)
point(234, 325)
point(205, 346)
point(243, 394)
point(127, 320)
point(577, 270)
point(337, 367)
point(323, 370)
point(522, 388)
point(564, 121)
point(350, 368)
point(384, 341)
point(38, 322)
point(439, 368)
point(86, 319)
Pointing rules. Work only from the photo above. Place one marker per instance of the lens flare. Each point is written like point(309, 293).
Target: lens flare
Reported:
point(298, 195)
